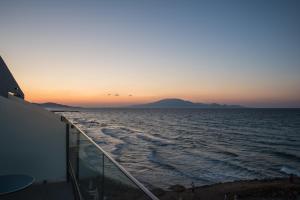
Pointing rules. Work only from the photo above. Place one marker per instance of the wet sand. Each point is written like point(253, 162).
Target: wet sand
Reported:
point(275, 189)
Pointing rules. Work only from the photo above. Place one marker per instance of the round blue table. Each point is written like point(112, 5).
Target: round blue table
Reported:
point(14, 182)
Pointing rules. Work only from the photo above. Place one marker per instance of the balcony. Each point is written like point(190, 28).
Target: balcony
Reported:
point(91, 174)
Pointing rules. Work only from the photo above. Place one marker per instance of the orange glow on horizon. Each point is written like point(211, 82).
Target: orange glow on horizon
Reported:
point(90, 99)
point(87, 99)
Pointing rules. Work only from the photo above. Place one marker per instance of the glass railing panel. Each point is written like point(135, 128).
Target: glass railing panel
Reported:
point(117, 185)
point(90, 175)
point(87, 164)
point(97, 175)
point(73, 147)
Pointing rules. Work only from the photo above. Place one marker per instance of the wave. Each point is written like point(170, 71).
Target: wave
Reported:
point(228, 153)
point(110, 132)
point(224, 150)
point(275, 143)
point(155, 158)
point(290, 170)
point(118, 131)
point(118, 149)
point(234, 166)
point(155, 140)
point(111, 139)
point(287, 155)
point(123, 133)
point(127, 129)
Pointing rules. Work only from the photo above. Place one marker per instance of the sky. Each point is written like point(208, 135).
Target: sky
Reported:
point(115, 53)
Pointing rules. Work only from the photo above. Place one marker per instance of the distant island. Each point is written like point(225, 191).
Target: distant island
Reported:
point(52, 105)
point(57, 107)
point(179, 103)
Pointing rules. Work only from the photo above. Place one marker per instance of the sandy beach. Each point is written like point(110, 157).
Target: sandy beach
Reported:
point(270, 189)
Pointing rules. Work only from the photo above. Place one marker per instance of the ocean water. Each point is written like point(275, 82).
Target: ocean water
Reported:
point(163, 147)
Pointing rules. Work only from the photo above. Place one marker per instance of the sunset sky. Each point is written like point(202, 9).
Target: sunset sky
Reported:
point(111, 53)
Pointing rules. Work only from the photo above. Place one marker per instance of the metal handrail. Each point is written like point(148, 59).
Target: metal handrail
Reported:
point(134, 180)
point(78, 195)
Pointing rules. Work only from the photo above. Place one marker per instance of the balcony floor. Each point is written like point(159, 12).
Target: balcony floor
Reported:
point(49, 191)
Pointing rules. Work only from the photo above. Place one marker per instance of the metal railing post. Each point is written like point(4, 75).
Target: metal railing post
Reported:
point(67, 151)
point(102, 191)
point(77, 156)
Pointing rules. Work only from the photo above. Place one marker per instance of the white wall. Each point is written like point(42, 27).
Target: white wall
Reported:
point(32, 141)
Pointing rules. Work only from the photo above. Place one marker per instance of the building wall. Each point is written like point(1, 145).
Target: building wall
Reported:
point(7, 82)
point(32, 141)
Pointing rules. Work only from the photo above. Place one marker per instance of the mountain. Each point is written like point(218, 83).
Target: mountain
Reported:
point(179, 103)
point(52, 105)
point(56, 106)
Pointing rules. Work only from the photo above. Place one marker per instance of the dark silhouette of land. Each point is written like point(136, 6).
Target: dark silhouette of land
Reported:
point(179, 103)
point(53, 105)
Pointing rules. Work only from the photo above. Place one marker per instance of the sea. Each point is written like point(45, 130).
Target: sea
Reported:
point(164, 147)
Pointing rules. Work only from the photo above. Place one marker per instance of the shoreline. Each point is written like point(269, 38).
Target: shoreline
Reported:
point(267, 189)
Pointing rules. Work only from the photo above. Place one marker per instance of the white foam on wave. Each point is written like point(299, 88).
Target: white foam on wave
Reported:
point(153, 139)
point(290, 170)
